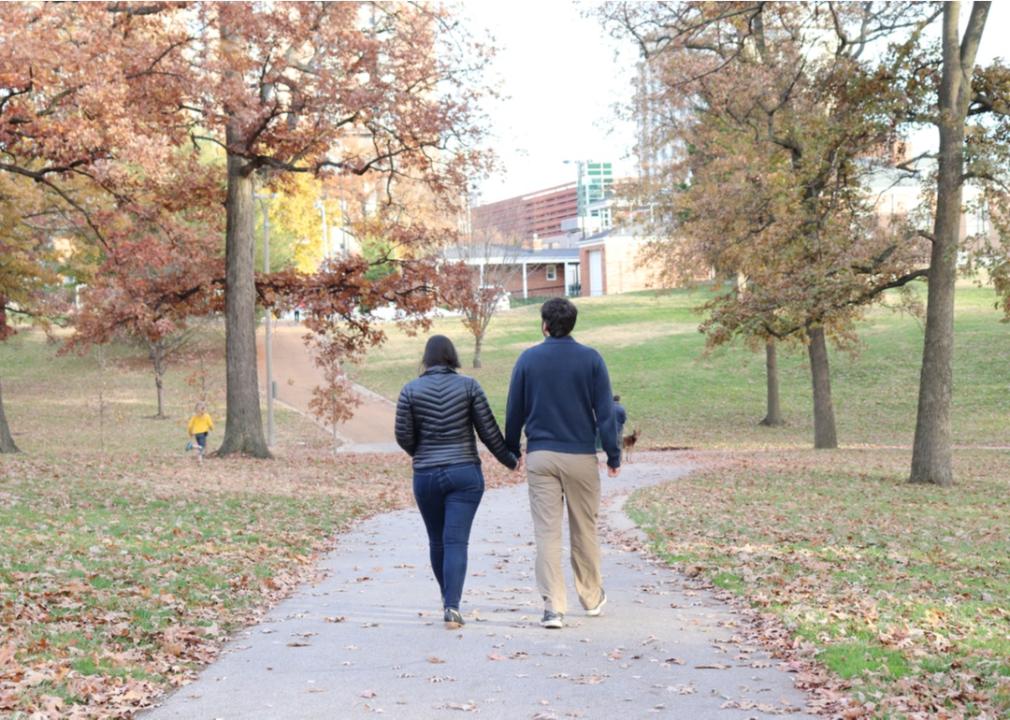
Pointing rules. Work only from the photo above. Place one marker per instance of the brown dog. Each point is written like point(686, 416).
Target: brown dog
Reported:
point(628, 444)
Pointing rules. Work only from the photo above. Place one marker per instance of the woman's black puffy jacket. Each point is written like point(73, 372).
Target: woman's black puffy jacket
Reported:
point(436, 416)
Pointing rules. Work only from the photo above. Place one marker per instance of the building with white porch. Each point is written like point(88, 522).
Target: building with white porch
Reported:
point(526, 273)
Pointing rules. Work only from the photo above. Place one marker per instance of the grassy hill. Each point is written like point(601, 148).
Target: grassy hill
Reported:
point(679, 395)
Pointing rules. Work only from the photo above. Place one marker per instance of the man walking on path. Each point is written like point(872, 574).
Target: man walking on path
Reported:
point(560, 392)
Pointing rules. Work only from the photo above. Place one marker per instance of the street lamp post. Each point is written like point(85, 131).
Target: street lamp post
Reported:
point(267, 341)
point(344, 249)
point(321, 207)
point(580, 202)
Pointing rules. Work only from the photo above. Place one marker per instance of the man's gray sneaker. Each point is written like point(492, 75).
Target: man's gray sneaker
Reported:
point(552, 620)
point(593, 612)
point(453, 619)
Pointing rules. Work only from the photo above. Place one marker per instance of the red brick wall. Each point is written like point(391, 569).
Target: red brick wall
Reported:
point(545, 212)
point(537, 213)
point(537, 284)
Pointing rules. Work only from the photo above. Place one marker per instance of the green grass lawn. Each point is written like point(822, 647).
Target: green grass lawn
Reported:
point(679, 395)
point(901, 591)
point(105, 400)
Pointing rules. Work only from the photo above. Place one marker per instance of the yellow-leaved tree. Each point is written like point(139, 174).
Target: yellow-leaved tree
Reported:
point(296, 226)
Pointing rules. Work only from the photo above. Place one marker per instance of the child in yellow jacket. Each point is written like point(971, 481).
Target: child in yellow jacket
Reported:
point(199, 425)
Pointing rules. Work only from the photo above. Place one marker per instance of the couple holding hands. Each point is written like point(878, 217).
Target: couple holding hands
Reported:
point(560, 393)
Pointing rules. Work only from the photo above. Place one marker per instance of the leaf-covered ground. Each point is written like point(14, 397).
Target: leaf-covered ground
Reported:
point(123, 563)
point(902, 591)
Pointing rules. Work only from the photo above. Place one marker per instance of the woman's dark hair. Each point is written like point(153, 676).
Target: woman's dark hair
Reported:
point(439, 351)
point(617, 398)
point(559, 315)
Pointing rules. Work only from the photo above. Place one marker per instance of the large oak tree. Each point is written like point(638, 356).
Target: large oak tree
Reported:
point(106, 95)
point(351, 88)
point(931, 451)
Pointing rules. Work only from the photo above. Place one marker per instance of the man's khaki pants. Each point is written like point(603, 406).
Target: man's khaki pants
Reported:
point(556, 479)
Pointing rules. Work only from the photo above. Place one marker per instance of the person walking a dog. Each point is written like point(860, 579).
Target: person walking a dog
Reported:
point(621, 416)
point(560, 394)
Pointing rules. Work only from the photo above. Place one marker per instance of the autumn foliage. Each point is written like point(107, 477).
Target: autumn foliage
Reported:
point(136, 122)
point(784, 123)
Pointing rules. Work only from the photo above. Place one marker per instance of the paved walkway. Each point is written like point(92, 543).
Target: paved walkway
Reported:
point(296, 375)
point(369, 638)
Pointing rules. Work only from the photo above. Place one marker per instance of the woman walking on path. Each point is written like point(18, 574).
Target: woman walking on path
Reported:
point(436, 416)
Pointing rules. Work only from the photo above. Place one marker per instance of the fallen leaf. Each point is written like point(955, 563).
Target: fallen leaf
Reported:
point(466, 707)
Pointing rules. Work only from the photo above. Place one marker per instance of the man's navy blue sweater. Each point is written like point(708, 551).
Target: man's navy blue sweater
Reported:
point(560, 392)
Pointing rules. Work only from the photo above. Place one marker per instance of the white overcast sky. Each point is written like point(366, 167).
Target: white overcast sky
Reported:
point(560, 81)
point(560, 78)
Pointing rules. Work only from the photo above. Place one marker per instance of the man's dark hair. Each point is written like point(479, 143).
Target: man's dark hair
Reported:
point(617, 398)
point(439, 351)
point(559, 315)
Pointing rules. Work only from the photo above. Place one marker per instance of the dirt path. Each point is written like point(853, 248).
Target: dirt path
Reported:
point(295, 374)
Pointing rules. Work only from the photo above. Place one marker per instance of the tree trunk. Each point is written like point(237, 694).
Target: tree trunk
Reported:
point(773, 415)
point(244, 423)
point(102, 375)
point(825, 436)
point(931, 450)
point(7, 444)
point(478, 344)
point(157, 361)
point(159, 385)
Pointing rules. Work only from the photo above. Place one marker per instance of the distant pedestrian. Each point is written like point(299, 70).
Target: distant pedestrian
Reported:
point(436, 416)
point(621, 417)
point(560, 393)
point(199, 425)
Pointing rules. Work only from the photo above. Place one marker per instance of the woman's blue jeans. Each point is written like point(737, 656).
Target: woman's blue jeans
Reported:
point(448, 497)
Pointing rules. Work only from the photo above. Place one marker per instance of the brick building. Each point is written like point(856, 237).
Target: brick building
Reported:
point(546, 273)
point(528, 217)
point(556, 217)
point(526, 273)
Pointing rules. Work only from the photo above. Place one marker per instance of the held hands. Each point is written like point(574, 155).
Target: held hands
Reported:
point(520, 465)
